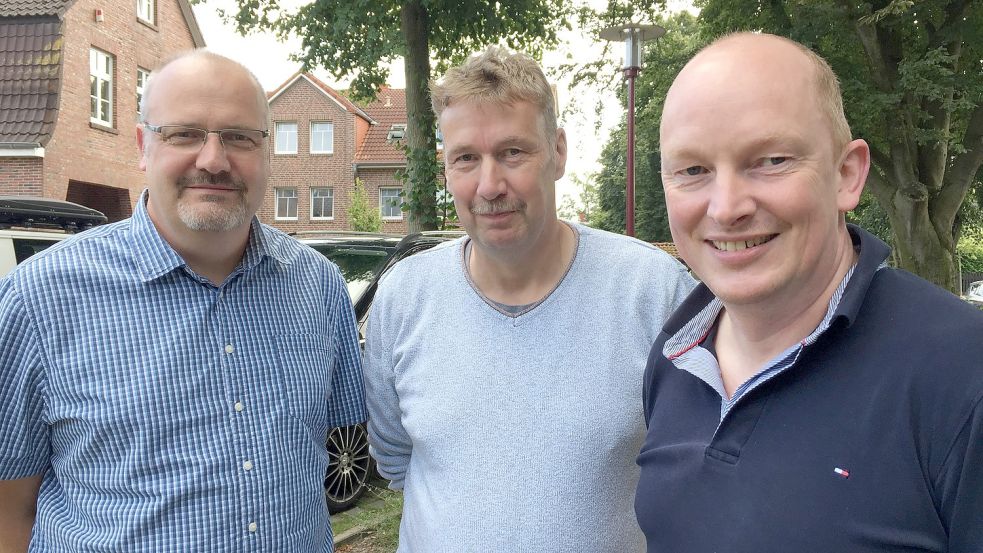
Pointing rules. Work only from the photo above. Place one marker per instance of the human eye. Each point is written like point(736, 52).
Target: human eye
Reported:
point(774, 161)
point(464, 158)
point(683, 174)
point(180, 136)
point(239, 138)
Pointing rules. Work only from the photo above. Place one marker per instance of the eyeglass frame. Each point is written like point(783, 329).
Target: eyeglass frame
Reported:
point(158, 130)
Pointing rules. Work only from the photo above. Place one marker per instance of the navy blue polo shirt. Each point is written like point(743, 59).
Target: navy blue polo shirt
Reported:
point(871, 439)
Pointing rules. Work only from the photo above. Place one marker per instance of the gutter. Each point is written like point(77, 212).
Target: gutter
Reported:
point(21, 149)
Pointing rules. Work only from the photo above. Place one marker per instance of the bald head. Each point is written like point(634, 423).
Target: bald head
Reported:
point(771, 61)
point(199, 64)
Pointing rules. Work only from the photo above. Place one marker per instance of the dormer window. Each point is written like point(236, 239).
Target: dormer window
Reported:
point(397, 132)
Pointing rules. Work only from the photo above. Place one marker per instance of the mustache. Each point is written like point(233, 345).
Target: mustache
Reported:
point(498, 205)
point(223, 179)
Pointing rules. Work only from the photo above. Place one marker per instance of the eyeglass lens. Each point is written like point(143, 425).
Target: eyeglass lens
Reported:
point(239, 139)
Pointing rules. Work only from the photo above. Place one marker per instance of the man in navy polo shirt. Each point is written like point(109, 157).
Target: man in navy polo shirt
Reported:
point(805, 397)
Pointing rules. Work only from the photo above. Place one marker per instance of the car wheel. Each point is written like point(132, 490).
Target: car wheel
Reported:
point(349, 466)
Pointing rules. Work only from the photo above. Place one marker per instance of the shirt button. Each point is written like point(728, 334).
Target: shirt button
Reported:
point(238, 406)
point(229, 348)
point(252, 527)
point(248, 465)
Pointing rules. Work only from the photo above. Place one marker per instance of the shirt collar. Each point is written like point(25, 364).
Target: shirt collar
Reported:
point(155, 256)
point(873, 257)
point(691, 322)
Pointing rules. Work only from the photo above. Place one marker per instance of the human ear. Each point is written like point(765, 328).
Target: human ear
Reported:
point(852, 173)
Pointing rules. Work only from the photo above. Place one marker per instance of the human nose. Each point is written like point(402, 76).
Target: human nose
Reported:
point(212, 157)
point(730, 200)
point(491, 181)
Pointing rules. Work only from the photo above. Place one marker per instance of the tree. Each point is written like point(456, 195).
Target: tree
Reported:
point(584, 208)
point(912, 78)
point(363, 217)
point(358, 37)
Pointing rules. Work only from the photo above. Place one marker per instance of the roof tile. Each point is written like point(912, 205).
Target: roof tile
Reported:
point(389, 108)
point(30, 58)
point(27, 8)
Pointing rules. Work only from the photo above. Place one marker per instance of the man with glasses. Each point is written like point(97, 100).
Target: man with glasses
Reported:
point(167, 382)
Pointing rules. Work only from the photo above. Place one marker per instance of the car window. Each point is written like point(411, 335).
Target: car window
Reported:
point(358, 266)
point(26, 247)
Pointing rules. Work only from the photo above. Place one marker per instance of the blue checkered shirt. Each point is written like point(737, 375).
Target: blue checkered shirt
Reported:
point(169, 414)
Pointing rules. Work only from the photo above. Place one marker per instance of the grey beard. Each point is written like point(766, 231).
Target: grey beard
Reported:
point(213, 218)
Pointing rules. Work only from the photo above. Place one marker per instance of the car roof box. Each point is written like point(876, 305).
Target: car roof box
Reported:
point(45, 213)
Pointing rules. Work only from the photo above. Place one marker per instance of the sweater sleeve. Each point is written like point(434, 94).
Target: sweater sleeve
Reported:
point(389, 443)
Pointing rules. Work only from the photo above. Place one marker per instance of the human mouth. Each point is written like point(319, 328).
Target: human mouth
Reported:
point(738, 245)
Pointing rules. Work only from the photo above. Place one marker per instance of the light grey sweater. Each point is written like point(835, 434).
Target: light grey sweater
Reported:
point(517, 433)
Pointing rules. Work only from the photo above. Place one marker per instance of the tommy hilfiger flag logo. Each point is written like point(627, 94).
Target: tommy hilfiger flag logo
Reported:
point(842, 472)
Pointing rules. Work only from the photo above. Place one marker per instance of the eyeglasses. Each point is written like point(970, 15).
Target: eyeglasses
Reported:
point(189, 138)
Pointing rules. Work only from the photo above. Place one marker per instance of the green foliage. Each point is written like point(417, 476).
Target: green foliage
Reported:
point(971, 254)
point(363, 216)
point(444, 214)
point(360, 37)
point(584, 208)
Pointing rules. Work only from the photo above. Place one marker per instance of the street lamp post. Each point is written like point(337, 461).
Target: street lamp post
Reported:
point(633, 34)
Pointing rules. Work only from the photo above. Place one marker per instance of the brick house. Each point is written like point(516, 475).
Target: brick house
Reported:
point(379, 157)
point(320, 143)
point(71, 73)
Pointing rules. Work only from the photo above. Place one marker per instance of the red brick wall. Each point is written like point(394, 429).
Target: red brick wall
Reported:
point(374, 179)
point(21, 176)
point(302, 103)
point(107, 157)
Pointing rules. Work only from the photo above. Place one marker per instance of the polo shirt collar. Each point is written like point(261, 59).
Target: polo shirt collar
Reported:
point(873, 256)
point(690, 326)
point(155, 256)
point(703, 305)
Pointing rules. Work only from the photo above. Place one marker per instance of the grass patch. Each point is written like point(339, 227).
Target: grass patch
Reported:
point(379, 511)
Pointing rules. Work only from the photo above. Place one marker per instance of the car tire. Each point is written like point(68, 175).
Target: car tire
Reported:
point(349, 466)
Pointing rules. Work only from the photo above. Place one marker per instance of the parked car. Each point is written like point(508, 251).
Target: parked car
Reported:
point(29, 225)
point(974, 293)
point(363, 258)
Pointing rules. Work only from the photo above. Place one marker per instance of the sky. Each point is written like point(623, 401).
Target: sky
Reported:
point(587, 131)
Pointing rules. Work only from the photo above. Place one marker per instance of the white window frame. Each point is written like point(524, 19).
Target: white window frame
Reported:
point(143, 75)
point(100, 72)
point(146, 10)
point(317, 189)
point(330, 132)
point(282, 194)
point(383, 206)
point(281, 126)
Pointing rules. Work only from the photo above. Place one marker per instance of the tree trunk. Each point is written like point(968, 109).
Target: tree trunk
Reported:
point(918, 245)
point(420, 189)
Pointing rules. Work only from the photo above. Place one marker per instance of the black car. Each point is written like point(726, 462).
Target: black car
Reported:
point(363, 258)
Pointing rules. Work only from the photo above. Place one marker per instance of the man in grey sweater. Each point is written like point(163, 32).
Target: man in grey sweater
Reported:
point(503, 370)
